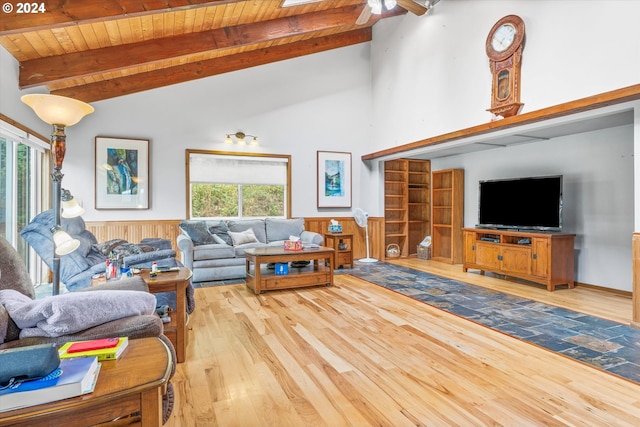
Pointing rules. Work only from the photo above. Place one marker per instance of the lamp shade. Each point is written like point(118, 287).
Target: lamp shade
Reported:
point(57, 110)
point(71, 209)
point(65, 244)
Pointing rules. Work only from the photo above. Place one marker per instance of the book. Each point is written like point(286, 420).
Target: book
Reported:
point(167, 269)
point(80, 346)
point(111, 353)
point(72, 378)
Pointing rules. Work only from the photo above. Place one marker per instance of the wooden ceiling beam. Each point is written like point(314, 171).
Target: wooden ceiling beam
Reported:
point(135, 83)
point(54, 69)
point(60, 13)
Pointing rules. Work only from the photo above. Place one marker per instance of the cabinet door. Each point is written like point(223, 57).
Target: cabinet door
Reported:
point(516, 260)
point(469, 247)
point(540, 257)
point(487, 255)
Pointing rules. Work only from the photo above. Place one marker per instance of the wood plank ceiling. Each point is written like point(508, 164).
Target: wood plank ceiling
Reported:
point(96, 49)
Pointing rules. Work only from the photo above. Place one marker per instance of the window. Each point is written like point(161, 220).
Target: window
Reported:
point(238, 185)
point(21, 173)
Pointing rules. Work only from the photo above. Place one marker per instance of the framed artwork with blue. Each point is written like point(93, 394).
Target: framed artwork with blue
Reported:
point(334, 179)
point(122, 173)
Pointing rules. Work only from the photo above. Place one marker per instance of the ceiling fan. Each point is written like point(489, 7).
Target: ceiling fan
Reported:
point(376, 7)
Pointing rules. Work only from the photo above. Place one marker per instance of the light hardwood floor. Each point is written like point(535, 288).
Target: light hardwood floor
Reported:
point(356, 354)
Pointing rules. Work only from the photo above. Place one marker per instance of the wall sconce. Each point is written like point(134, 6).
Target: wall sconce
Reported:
point(240, 137)
point(58, 111)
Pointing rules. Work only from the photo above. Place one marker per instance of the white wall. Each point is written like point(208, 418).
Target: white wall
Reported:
point(296, 107)
point(431, 73)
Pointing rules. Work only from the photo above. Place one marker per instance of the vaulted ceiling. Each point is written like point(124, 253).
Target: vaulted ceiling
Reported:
point(97, 49)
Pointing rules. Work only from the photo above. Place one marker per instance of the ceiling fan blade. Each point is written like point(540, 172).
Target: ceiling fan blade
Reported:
point(413, 7)
point(364, 15)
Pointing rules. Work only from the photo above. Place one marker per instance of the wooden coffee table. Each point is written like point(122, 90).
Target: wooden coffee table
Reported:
point(261, 279)
point(132, 384)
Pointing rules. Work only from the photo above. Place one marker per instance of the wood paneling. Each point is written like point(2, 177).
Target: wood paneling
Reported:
point(135, 231)
point(376, 234)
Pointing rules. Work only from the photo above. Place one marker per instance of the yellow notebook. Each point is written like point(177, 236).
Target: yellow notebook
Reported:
point(103, 354)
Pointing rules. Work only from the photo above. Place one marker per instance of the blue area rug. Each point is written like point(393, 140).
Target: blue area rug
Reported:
point(607, 345)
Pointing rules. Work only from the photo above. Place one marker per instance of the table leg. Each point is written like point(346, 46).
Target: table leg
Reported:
point(181, 324)
point(151, 408)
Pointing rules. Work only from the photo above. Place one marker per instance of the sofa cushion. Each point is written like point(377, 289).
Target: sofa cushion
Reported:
point(197, 232)
point(214, 251)
point(245, 224)
point(221, 230)
point(282, 228)
point(240, 250)
point(242, 237)
point(221, 241)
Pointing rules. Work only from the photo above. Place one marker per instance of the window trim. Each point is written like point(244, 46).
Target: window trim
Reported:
point(189, 152)
point(41, 186)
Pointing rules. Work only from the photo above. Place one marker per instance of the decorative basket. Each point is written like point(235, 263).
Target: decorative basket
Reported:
point(424, 252)
point(393, 251)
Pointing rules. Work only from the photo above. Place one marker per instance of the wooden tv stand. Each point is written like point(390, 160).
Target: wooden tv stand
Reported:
point(541, 257)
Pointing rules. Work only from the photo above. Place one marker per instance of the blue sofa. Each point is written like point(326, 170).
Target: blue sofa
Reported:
point(214, 249)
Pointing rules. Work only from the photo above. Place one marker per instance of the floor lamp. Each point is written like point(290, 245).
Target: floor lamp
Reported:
point(59, 112)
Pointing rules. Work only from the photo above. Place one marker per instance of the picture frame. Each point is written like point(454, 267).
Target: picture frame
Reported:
point(121, 173)
point(334, 179)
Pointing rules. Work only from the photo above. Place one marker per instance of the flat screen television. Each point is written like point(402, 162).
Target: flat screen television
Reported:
point(531, 203)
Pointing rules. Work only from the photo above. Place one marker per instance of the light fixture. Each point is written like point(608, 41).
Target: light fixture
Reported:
point(58, 111)
point(240, 138)
point(70, 206)
point(64, 243)
point(376, 5)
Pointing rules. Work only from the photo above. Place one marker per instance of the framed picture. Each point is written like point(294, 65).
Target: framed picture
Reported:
point(122, 173)
point(334, 179)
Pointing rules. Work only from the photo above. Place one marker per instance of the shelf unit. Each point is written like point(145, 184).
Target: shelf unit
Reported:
point(447, 216)
point(406, 202)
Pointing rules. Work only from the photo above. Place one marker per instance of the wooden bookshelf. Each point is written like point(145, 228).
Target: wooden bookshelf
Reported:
point(447, 215)
point(407, 203)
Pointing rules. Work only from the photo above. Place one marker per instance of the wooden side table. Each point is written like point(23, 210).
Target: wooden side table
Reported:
point(132, 384)
point(342, 256)
point(173, 281)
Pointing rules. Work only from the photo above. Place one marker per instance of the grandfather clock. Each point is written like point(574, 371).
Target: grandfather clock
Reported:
point(504, 48)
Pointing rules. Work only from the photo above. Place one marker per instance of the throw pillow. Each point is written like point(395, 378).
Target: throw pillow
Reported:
point(197, 232)
point(221, 241)
point(247, 236)
point(220, 229)
point(281, 228)
point(245, 224)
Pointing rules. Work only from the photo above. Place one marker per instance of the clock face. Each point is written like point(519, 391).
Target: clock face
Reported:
point(503, 37)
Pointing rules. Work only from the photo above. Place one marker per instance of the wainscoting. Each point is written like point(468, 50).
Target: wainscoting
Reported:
point(134, 231)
